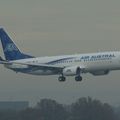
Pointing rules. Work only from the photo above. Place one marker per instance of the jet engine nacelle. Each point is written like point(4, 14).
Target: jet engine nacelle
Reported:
point(97, 73)
point(71, 71)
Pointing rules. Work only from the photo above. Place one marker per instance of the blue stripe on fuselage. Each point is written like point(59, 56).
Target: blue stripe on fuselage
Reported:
point(59, 60)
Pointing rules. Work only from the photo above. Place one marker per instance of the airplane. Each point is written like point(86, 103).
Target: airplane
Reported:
point(64, 65)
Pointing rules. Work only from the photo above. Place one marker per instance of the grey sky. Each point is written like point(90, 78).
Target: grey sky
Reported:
point(53, 27)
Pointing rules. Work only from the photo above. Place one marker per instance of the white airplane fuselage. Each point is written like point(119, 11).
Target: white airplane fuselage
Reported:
point(90, 63)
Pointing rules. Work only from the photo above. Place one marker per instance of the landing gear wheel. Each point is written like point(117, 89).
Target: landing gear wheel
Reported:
point(61, 78)
point(78, 78)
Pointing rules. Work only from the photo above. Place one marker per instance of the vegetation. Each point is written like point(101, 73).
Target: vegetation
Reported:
point(47, 109)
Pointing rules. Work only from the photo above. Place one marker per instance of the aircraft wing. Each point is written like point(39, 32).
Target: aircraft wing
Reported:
point(44, 66)
point(38, 65)
point(34, 65)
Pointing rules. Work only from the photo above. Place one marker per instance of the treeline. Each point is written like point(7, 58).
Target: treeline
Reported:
point(47, 109)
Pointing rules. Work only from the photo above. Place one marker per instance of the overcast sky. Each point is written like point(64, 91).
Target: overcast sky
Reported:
point(56, 27)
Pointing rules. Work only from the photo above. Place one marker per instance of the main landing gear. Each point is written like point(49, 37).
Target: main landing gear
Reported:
point(78, 78)
point(62, 78)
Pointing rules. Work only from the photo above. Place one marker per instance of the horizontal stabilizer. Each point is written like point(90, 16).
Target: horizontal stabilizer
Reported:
point(1, 59)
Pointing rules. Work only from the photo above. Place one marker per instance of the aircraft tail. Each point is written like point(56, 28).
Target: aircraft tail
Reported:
point(10, 50)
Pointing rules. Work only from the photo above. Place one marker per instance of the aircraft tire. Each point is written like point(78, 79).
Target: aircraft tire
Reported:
point(78, 78)
point(61, 78)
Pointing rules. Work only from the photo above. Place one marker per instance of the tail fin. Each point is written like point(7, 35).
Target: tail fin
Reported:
point(11, 51)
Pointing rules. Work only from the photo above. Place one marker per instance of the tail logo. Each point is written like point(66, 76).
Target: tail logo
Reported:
point(10, 47)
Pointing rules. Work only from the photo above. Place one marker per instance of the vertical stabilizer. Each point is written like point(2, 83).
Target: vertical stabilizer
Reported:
point(11, 51)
